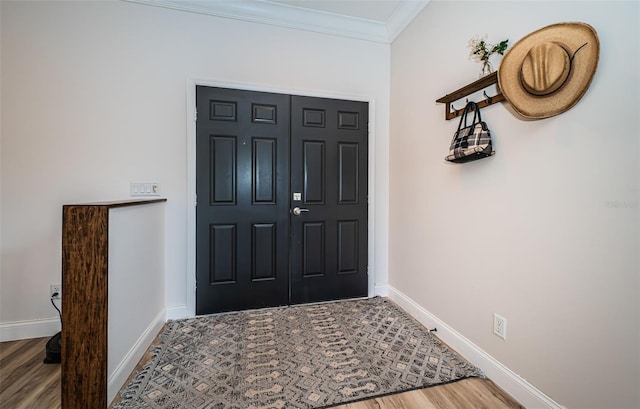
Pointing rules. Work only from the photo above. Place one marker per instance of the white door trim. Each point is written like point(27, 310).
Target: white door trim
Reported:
point(191, 170)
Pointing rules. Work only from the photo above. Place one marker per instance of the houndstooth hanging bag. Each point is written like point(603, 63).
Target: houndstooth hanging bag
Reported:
point(470, 142)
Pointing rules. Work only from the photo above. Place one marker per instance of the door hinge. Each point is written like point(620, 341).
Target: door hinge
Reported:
point(195, 200)
point(195, 116)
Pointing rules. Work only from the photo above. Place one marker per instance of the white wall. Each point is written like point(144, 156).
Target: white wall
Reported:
point(94, 97)
point(545, 233)
point(136, 288)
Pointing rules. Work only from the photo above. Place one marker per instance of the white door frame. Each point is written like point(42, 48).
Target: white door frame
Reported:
point(191, 172)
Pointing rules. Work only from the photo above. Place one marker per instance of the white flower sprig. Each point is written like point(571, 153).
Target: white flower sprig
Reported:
point(481, 50)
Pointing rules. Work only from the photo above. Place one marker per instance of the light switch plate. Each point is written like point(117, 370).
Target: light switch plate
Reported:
point(145, 188)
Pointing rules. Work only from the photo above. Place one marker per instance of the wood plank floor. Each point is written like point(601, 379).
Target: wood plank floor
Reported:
point(27, 383)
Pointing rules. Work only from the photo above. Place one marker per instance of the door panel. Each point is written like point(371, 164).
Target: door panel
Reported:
point(348, 247)
point(222, 242)
point(348, 173)
point(223, 170)
point(242, 185)
point(314, 172)
point(329, 168)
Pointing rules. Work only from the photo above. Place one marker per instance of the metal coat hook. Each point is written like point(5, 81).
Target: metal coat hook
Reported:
point(455, 110)
point(488, 98)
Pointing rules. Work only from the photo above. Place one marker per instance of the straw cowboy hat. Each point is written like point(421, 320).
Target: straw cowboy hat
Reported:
point(548, 71)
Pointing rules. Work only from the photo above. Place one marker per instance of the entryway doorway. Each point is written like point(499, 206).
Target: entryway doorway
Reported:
point(281, 215)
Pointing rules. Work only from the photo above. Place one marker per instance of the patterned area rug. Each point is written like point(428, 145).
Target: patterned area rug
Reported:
point(306, 356)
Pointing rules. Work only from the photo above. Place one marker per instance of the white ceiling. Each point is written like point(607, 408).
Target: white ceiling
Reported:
point(372, 20)
point(376, 10)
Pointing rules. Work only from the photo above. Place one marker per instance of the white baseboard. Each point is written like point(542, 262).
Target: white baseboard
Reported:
point(516, 386)
point(129, 362)
point(177, 312)
point(13, 331)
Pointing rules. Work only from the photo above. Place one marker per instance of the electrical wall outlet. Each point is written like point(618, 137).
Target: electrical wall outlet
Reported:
point(55, 288)
point(500, 326)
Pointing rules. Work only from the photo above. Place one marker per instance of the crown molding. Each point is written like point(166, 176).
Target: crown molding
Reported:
point(300, 18)
point(402, 17)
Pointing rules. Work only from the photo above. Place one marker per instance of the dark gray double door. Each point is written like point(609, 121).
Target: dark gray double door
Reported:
point(281, 215)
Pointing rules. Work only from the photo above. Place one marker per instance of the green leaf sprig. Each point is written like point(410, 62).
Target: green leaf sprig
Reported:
point(481, 50)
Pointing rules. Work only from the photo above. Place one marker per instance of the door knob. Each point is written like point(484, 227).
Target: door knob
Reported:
point(296, 211)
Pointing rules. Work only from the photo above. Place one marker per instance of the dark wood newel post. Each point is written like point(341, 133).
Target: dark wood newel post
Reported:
point(85, 273)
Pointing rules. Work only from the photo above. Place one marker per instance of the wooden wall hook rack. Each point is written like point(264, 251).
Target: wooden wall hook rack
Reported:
point(451, 112)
